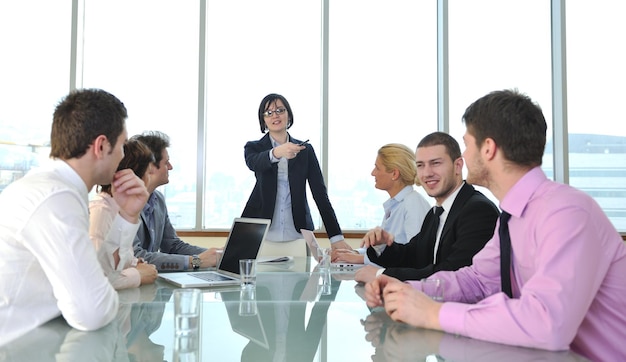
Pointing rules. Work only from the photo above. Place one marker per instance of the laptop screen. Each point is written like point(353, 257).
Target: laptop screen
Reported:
point(243, 242)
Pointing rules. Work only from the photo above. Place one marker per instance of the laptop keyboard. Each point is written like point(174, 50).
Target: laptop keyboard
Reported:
point(211, 277)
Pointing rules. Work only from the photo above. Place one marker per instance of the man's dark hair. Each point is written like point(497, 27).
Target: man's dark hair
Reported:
point(441, 138)
point(157, 142)
point(137, 157)
point(81, 117)
point(513, 121)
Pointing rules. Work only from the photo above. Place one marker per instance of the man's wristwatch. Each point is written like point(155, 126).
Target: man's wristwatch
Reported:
point(196, 262)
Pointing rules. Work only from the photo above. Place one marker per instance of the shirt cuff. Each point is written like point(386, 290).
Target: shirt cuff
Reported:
point(272, 158)
point(134, 277)
point(380, 272)
point(379, 248)
point(186, 263)
point(336, 238)
point(452, 317)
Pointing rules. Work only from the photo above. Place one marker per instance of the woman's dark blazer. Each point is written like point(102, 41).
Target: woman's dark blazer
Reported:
point(304, 167)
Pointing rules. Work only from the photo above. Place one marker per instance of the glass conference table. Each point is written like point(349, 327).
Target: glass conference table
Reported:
point(299, 314)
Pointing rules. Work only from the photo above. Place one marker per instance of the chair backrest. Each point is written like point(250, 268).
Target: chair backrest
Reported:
point(290, 248)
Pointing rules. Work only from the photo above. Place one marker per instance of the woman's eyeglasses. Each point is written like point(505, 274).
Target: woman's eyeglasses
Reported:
point(279, 111)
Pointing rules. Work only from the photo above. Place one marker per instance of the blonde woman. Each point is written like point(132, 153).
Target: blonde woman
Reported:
point(394, 172)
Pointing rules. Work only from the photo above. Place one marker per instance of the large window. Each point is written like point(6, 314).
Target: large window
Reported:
point(493, 46)
point(595, 82)
point(34, 75)
point(255, 48)
point(358, 75)
point(146, 53)
point(382, 89)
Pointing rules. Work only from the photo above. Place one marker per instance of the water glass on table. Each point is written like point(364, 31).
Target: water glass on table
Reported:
point(247, 302)
point(434, 288)
point(325, 285)
point(323, 258)
point(247, 272)
point(187, 305)
point(187, 348)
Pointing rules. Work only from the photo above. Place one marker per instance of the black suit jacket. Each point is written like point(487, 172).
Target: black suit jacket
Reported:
point(305, 167)
point(469, 225)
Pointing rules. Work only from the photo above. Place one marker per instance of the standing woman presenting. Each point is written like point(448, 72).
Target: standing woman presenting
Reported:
point(282, 166)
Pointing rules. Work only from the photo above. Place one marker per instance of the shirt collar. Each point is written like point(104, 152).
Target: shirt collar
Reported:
point(392, 202)
point(403, 193)
point(515, 201)
point(65, 170)
point(149, 206)
point(447, 203)
point(275, 143)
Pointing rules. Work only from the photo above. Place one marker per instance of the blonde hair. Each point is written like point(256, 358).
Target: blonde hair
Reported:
point(396, 156)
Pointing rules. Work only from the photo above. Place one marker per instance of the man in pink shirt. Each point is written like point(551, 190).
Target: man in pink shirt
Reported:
point(567, 261)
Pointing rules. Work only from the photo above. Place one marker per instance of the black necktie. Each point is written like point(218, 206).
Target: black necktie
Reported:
point(438, 212)
point(432, 232)
point(505, 253)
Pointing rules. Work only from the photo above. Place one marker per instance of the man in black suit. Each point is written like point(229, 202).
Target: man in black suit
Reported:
point(445, 242)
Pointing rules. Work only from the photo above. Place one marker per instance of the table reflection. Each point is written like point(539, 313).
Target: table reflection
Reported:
point(283, 329)
point(397, 342)
point(57, 341)
point(296, 314)
point(127, 338)
point(144, 318)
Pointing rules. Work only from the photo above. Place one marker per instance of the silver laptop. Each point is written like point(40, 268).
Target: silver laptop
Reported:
point(244, 242)
point(312, 244)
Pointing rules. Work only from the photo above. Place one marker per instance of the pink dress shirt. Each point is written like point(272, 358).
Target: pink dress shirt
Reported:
point(568, 277)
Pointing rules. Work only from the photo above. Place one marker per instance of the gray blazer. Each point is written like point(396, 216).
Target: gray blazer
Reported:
point(171, 253)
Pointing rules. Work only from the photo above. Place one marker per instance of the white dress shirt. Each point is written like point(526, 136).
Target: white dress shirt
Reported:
point(447, 205)
point(48, 265)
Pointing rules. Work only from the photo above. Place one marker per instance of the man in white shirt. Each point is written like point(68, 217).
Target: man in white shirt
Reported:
point(49, 266)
